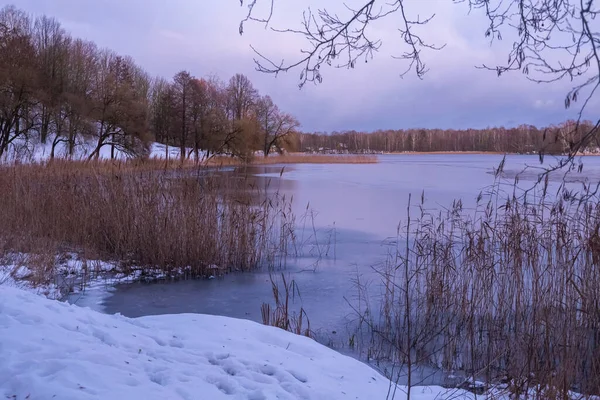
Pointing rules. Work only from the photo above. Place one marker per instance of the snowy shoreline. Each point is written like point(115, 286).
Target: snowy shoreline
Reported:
point(53, 349)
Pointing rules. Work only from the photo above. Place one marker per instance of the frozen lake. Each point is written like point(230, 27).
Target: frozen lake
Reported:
point(355, 210)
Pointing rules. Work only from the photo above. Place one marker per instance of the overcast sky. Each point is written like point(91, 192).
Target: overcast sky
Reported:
point(201, 36)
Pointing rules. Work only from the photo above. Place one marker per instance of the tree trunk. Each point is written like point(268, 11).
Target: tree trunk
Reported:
point(196, 144)
point(71, 139)
point(183, 130)
point(267, 147)
point(53, 148)
point(96, 153)
point(112, 147)
point(45, 126)
point(3, 139)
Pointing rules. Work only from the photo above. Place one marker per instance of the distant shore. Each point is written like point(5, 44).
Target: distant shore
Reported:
point(413, 153)
point(409, 153)
point(298, 158)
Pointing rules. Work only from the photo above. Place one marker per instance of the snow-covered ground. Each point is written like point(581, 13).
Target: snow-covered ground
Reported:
point(50, 349)
point(35, 151)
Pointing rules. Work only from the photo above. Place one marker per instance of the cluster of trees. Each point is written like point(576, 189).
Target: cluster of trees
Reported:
point(64, 91)
point(207, 114)
point(558, 139)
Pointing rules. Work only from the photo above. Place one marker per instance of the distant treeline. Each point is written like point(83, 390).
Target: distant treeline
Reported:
point(523, 139)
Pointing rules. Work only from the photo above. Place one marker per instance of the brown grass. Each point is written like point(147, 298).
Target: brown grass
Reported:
point(447, 152)
point(172, 219)
point(299, 158)
point(293, 158)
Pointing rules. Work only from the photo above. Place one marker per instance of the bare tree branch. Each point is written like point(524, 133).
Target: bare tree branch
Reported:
point(250, 16)
point(342, 42)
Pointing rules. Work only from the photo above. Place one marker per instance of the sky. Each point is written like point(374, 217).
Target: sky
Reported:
point(201, 36)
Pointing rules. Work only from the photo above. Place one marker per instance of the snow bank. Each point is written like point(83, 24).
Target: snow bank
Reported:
point(35, 151)
point(50, 349)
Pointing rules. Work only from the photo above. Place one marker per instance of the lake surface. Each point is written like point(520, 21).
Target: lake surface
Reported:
point(354, 210)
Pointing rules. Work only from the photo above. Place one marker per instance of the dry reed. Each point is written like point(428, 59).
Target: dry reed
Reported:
point(175, 220)
point(507, 294)
point(292, 158)
point(282, 316)
point(317, 159)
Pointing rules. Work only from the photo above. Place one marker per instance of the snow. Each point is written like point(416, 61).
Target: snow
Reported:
point(159, 151)
point(51, 349)
point(35, 151)
point(16, 275)
point(70, 275)
point(30, 151)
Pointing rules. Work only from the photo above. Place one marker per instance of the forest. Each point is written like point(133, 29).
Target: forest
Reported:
point(63, 91)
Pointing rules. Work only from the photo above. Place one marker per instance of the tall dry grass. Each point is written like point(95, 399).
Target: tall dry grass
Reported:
point(169, 219)
point(299, 158)
point(282, 315)
point(291, 158)
point(507, 294)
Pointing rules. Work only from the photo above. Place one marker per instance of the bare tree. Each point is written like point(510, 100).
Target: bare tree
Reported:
point(218, 126)
point(78, 101)
point(120, 111)
point(18, 83)
point(274, 125)
point(241, 133)
point(200, 98)
point(242, 96)
point(161, 112)
point(182, 84)
point(52, 47)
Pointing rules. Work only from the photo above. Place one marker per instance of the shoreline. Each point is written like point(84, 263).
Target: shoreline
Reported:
point(485, 153)
point(297, 158)
point(412, 153)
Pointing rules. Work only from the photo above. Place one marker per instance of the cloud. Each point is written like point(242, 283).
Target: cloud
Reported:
point(543, 103)
point(172, 35)
point(202, 37)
